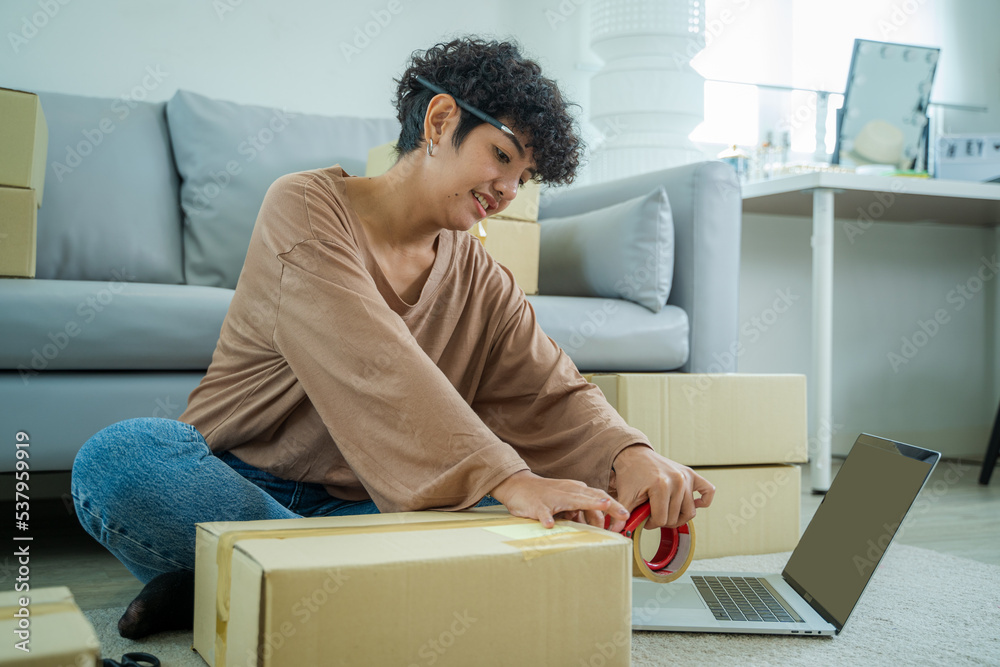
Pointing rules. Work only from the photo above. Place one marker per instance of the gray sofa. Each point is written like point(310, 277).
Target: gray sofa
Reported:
point(137, 259)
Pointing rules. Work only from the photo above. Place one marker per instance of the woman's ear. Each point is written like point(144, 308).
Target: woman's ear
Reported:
point(441, 118)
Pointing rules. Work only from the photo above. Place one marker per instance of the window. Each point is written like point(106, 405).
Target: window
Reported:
point(804, 44)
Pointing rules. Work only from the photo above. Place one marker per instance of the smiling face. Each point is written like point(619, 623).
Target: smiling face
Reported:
point(478, 179)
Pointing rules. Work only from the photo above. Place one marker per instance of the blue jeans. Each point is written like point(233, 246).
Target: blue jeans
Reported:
point(140, 486)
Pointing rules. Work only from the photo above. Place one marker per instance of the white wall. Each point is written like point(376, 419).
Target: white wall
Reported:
point(289, 54)
point(894, 276)
point(278, 54)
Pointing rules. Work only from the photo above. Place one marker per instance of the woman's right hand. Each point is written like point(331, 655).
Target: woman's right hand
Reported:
point(527, 495)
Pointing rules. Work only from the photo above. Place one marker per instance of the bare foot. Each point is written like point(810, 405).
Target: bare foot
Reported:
point(165, 603)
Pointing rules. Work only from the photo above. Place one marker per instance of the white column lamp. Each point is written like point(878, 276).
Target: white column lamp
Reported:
point(646, 98)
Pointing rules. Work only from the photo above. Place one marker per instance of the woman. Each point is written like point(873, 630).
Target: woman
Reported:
point(374, 357)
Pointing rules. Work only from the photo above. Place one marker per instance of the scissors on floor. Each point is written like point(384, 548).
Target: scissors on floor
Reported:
point(133, 660)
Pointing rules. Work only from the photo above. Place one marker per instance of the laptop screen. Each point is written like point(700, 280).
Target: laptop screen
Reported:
point(855, 523)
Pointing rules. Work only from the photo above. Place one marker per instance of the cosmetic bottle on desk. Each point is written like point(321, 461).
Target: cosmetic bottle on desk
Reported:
point(739, 160)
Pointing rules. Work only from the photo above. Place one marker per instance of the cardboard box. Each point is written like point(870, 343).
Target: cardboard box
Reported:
point(24, 142)
point(18, 228)
point(714, 419)
point(380, 159)
point(514, 244)
point(59, 632)
point(523, 208)
point(525, 204)
point(443, 588)
point(755, 511)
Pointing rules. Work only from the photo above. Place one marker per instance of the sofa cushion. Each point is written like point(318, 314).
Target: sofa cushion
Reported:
point(229, 154)
point(51, 325)
point(623, 251)
point(63, 409)
point(111, 192)
point(614, 335)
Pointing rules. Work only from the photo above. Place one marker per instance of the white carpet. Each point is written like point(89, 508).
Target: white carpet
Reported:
point(921, 608)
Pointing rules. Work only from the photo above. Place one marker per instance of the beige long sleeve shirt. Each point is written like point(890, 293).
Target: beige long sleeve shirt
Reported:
point(323, 374)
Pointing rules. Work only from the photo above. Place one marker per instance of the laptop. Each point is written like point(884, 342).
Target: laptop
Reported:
point(825, 575)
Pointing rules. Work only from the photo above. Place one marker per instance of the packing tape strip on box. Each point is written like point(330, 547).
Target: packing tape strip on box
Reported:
point(37, 609)
point(555, 542)
point(673, 555)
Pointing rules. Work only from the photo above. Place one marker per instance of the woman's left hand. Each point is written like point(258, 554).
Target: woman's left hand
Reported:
point(640, 474)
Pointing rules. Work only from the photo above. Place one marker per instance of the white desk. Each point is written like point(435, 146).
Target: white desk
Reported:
point(879, 198)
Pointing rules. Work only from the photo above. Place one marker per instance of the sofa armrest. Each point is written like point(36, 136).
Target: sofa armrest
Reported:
point(706, 203)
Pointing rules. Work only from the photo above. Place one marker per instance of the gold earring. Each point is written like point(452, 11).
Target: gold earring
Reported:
point(430, 147)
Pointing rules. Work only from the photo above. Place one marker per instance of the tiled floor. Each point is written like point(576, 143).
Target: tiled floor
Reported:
point(954, 515)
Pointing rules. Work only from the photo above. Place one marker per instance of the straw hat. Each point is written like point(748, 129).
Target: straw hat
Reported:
point(878, 142)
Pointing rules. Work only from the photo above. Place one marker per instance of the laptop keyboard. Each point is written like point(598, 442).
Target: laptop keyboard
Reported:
point(742, 599)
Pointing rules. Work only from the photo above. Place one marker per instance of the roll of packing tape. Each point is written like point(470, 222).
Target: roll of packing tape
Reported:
point(673, 555)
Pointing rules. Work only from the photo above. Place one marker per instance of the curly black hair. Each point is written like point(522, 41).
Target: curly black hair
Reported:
point(494, 77)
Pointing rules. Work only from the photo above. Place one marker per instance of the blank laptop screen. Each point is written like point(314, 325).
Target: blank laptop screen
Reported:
point(850, 531)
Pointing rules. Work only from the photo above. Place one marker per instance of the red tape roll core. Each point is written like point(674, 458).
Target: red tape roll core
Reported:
point(676, 548)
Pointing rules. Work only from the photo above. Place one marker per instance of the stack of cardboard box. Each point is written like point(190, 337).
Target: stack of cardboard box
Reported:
point(511, 237)
point(741, 432)
point(24, 141)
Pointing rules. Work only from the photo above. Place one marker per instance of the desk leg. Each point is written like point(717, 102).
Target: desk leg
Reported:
point(822, 337)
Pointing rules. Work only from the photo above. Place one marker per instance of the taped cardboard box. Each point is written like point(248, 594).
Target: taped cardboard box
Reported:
point(755, 511)
point(59, 632)
point(24, 142)
point(514, 244)
point(443, 588)
point(714, 419)
point(18, 229)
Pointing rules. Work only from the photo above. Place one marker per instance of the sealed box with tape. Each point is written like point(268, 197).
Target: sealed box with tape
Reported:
point(24, 142)
point(714, 419)
point(755, 511)
point(18, 232)
point(48, 631)
point(442, 588)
